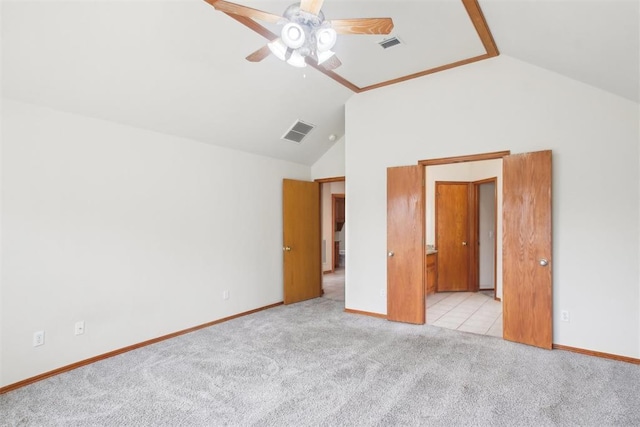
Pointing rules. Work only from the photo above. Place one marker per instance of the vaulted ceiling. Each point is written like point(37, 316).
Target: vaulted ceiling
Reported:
point(178, 67)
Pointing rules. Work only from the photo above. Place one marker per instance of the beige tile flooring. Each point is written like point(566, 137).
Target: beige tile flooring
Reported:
point(471, 312)
point(465, 311)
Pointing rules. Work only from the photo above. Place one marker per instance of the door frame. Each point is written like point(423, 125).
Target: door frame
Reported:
point(496, 155)
point(463, 159)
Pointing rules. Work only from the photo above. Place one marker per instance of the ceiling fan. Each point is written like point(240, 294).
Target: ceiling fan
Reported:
point(305, 34)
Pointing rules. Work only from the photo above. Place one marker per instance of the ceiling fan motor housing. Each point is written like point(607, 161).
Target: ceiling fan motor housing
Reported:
point(294, 14)
point(306, 32)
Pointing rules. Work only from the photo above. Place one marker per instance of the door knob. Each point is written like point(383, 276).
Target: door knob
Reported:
point(543, 262)
point(390, 254)
point(287, 249)
point(464, 243)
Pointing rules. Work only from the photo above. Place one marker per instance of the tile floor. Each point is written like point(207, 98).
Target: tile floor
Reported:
point(465, 311)
point(471, 312)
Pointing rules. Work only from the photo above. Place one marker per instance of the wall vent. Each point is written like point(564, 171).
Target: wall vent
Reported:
point(387, 43)
point(298, 131)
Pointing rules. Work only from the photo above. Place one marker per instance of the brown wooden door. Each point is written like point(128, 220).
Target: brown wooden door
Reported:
point(526, 249)
point(301, 240)
point(452, 235)
point(405, 244)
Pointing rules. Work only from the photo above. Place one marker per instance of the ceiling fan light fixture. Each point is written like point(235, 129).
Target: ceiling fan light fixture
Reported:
point(323, 56)
point(293, 35)
point(279, 49)
point(297, 60)
point(303, 31)
point(326, 38)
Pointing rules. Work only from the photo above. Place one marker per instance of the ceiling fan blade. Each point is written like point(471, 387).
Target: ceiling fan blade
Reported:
point(259, 54)
point(311, 6)
point(236, 9)
point(362, 26)
point(331, 63)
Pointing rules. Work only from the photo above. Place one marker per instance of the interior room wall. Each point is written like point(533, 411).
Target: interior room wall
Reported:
point(332, 163)
point(487, 235)
point(134, 232)
point(506, 104)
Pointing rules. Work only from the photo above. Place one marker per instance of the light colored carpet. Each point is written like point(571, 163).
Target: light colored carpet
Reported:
point(333, 285)
point(311, 364)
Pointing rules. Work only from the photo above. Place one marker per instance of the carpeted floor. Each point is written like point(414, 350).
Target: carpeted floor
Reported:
point(333, 285)
point(311, 364)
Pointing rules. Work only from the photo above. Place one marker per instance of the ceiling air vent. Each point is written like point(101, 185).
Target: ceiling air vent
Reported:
point(298, 131)
point(387, 43)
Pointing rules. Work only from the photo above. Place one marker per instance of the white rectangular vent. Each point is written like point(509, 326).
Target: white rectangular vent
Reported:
point(298, 131)
point(387, 43)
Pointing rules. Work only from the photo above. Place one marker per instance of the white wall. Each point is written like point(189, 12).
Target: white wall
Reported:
point(134, 232)
point(487, 236)
point(505, 104)
point(331, 164)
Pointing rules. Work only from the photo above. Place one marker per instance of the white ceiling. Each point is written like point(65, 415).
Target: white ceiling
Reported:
point(178, 67)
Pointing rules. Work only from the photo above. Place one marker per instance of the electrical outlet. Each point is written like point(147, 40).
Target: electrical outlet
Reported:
point(564, 316)
point(225, 294)
point(38, 338)
point(79, 328)
point(383, 292)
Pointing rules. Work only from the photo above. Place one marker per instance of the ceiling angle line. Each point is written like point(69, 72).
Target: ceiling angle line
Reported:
point(481, 26)
point(427, 72)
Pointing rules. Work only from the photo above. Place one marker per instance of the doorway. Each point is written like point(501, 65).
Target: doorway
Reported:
point(332, 192)
point(525, 206)
point(333, 241)
point(467, 194)
point(465, 224)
